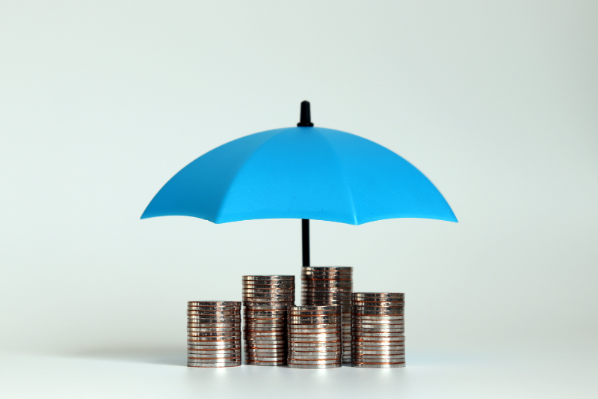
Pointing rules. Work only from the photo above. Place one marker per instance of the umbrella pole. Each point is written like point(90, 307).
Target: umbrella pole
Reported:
point(305, 239)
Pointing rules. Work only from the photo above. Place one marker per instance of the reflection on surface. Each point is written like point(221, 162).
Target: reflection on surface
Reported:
point(169, 357)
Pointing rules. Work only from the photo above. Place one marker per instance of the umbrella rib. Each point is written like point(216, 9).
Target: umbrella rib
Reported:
point(232, 182)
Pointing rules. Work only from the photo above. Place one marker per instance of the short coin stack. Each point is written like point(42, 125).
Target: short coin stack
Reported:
point(266, 299)
point(378, 327)
point(325, 286)
point(314, 337)
point(214, 334)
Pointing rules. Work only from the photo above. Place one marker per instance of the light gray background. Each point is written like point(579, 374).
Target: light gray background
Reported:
point(101, 102)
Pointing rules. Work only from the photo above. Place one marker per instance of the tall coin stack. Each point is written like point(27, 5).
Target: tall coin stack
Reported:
point(378, 329)
point(266, 300)
point(325, 286)
point(214, 334)
point(314, 337)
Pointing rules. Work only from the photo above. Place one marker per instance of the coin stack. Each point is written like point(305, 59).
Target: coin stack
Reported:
point(325, 286)
point(378, 329)
point(266, 300)
point(314, 336)
point(214, 334)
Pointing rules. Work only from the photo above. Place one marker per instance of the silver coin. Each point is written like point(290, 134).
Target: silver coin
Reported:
point(276, 335)
point(266, 351)
point(315, 355)
point(328, 279)
point(217, 365)
point(307, 362)
point(322, 319)
point(313, 269)
point(319, 366)
point(258, 363)
point(255, 340)
point(268, 300)
point(371, 333)
point(213, 357)
point(313, 309)
point(377, 353)
point(269, 359)
point(327, 294)
point(272, 345)
point(199, 338)
point(300, 328)
point(214, 344)
point(213, 319)
point(266, 306)
point(277, 329)
point(214, 350)
point(215, 362)
point(203, 358)
point(265, 320)
point(213, 303)
point(212, 332)
point(198, 313)
point(213, 313)
point(358, 333)
point(264, 326)
point(369, 311)
point(378, 348)
point(269, 277)
point(268, 283)
point(314, 334)
point(267, 313)
point(314, 346)
point(382, 319)
point(380, 340)
point(312, 331)
point(291, 340)
point(271, 296)
point(375, 324)
point(280, 347)
point(388, 365)
point(310, 313)
point(210, 328)
point(231, 316)
point(378, 295)
point(279, 290)
point(358, 357)
point(378, 307)
point(322, 301)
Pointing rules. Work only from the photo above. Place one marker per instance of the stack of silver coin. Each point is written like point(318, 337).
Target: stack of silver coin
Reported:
point(325, 286)
point(266, 300)
point(378, 327)
point(314, 337)
point(214, 334)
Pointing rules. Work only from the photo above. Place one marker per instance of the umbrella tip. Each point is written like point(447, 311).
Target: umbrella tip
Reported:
point(305, 120)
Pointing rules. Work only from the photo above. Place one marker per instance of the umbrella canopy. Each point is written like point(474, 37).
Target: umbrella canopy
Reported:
point(302, 172)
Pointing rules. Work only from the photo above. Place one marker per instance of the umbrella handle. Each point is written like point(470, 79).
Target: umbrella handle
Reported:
point(305, 241)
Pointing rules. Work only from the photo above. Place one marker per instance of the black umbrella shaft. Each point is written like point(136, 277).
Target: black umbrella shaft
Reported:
point(305, 239)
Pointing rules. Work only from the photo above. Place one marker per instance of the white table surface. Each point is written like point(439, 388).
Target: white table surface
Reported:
point(164, 375)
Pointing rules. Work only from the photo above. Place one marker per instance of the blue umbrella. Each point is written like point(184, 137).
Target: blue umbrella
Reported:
point(301, 172)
